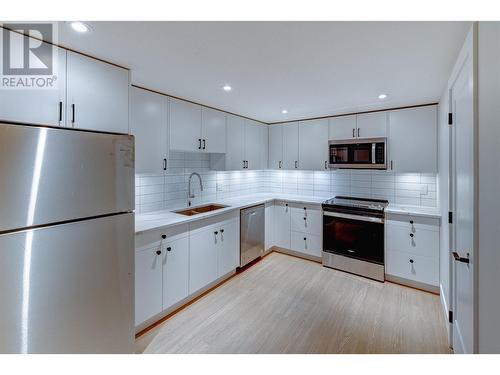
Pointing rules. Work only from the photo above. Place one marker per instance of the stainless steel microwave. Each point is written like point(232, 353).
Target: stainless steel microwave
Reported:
point(367, 153)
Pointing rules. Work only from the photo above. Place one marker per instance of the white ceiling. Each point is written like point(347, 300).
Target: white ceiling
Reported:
point(309, 68)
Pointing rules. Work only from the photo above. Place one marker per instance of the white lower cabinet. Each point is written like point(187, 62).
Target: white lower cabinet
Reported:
point(308, 244)
point(282, 224)
point(203, 260)
point(306, 218)
point(269, 225)
point(413, 248)
point(175, 271)
point(148, 283)
point(228, 248)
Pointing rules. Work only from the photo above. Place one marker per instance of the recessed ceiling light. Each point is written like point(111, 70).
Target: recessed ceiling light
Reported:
point(227, 88)
point(382, 96)
point(284, 111)
point(80, 26)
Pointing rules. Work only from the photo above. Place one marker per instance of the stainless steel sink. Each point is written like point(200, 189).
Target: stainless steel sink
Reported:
point(200, 209)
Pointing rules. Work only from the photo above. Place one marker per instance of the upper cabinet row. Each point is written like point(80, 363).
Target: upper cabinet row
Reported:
point(87, 94)
point(161, 124)
point(411, 139)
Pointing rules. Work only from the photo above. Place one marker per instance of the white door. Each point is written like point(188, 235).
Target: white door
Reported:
point(313, 144)
point(213, 130)
point(148, 283)
point(264, 146)
point(291, 145)
point(203, 261)
point(36, 106)
point(185, 126)
point(235, 143)
point(413, 140)
point(462, 190)
point(282, 224)
point(98, 95)
point(371, 125)
point(275, 146)
point(252, 144)
point(148, 123)
point(175, 271)
point(342, 127)
point(228, 248)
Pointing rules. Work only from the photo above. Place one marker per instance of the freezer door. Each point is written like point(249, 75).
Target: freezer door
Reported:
point(68, 288)
point(51, 175)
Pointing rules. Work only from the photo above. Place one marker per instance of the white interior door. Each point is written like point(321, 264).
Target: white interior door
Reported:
point(463, 171)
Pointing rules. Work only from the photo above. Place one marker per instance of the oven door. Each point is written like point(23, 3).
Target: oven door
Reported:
point(354, 236)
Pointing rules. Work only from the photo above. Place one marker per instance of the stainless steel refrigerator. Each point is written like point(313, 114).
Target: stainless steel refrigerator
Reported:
point(66, 241)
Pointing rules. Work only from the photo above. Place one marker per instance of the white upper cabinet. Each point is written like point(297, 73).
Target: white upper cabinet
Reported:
point(342, 127)
point(36, 106)
point(148, 123)
point(275, 146)
point(413, 140)
point(97, 95)
point(185, 126)
point(235, 144)
point(291, 145)
point(313, 144)
point(371, 125)
point(264, 146)
point(252, 144)
point(213, 130)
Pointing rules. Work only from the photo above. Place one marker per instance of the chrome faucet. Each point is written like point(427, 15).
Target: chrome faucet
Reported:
point(190, 194)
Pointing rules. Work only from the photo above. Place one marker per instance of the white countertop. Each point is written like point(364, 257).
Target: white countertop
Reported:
point(167, 218)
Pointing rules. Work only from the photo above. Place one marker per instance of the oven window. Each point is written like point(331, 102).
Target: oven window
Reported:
point(354, 238)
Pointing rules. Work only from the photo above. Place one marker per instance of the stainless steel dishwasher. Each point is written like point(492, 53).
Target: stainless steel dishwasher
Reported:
point(252, 221)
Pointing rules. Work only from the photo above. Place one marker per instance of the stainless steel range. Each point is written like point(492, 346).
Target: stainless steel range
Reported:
point(353, 235)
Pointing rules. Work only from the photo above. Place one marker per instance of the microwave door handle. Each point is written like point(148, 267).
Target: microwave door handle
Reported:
point(373, 153)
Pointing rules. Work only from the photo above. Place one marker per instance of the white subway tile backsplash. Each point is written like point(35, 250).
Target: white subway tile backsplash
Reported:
point(169, 191)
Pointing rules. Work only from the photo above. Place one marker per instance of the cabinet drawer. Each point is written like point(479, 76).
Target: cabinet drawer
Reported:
point(309, 244)
point(307, 219)
point(422, 269)
point(421, 242)
point(153, 238)
point(413, 223)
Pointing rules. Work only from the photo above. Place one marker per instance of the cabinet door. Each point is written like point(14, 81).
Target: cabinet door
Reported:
point(413, 140)
point(148, 123)
point(313, 144)
point(235, 143)
point(203, 261)
point(252, 144)
point(228, 248)
point(291, 145)
point(148, 284)
point(185, 126)
point(98, 94)
point(213, 130)
point(36, 106)
point(282, 224)
point(275, 146)
point(269, 220)
point(264, 146)
point(372, 125)
point(342, 127)
point(175, 271)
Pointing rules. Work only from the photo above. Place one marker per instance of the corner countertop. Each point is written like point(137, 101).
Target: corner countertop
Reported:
point(166, 218)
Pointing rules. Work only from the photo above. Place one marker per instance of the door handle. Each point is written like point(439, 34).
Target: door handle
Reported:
point(72, 113)
point(199, 143)
point(164, 164)
point(458, 258)
point(60, 111)
point(204, 144)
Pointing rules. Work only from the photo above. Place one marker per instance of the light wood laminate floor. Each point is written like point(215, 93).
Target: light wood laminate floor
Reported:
point(285, 304)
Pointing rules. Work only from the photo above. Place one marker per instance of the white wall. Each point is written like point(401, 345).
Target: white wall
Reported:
point(489, 187)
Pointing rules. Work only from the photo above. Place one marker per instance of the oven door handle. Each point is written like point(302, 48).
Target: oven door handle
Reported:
point(354, 217)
